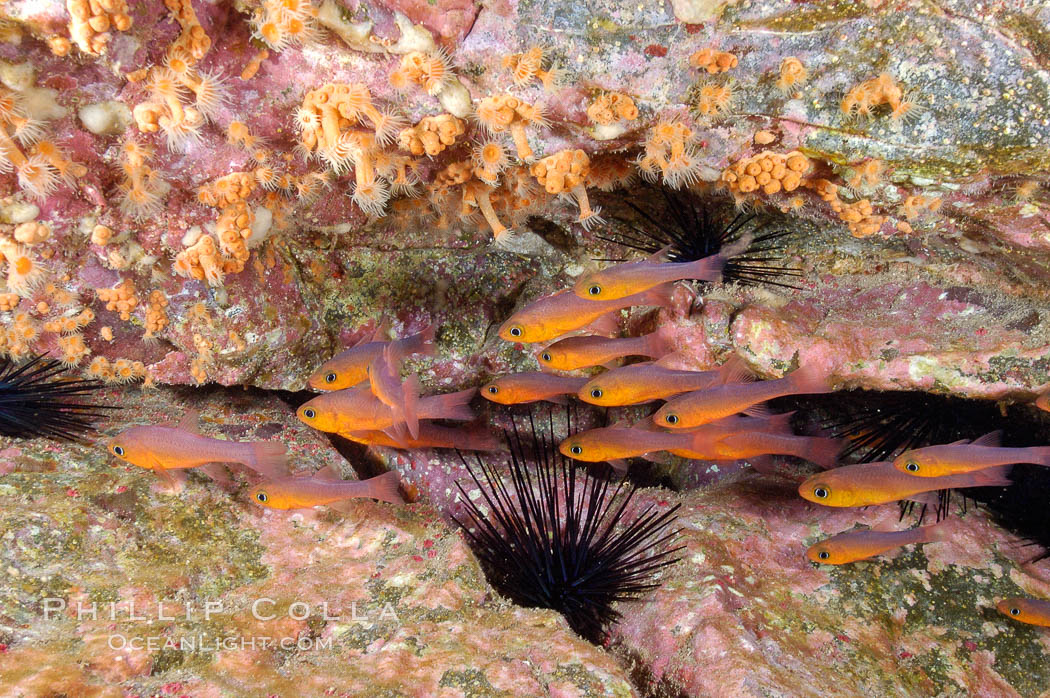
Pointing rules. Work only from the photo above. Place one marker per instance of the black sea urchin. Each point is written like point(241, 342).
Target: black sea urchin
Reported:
point(694, 229)
point(549, 541)
point(37, 400)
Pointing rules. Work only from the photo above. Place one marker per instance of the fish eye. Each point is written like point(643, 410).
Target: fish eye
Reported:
point(309, 413)
point(911, 466)
point(671, 418)
point(1015, 611)
point(821, 493)
point(597, 392)
point(545, 356)
point(261, 496)
point(595, 290)
point(576, 450)
point(119, 450)
point(330, 378)
point(515, 331)
point(493, 389)
point(823, 555)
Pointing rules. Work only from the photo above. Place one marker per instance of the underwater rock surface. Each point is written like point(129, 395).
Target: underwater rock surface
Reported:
point(204, 587)
point(954, 221)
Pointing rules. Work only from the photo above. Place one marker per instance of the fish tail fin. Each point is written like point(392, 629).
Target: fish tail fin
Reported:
point(824, 452)
point(410, 410)
point(454, 406)
point(385, 487)
point(421, 343)
point(661, 342)
point(662, 295)
point(810, 379)
point(268, 458)
point(1041, 455)
point(737, 247)
point(479, 438)
point(709, 268)
point(937, 533)
point(779, 423)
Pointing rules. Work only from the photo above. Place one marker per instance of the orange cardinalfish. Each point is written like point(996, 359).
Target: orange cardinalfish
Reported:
point(616, 443)
point(348, 368)
point(359, 410)
point(879, 483)
point(747, 444)
point(704, 406)
point(638, 383)
point(431, 436)
point(1030, 611)
point(165, 448)
point(860, 545)
point(325, 488)
point(629, 278)
point(517, 388)
point(583, 352)
point(965, 456)
point(1043, 401)
point(561, 313)
point(384, 378)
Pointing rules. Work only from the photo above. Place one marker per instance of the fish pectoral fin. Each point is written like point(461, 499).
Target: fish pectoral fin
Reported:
point(217, 472)
point(191, 421)
point(761, 411)
point(345, 507)
point(173, 481)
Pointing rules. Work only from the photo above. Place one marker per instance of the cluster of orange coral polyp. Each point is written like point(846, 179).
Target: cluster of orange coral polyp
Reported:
point(713, 61)
point(870, 94)
point(792, 73)
point(192, 41)
point(431, 135)
point(502, 113)
point(669, 151)
point(612, 107)
point(528, 66)
point(859, 216)
point(91, 21)
point(121, 298)
point(769, 171)
point(714, 99)
point(280, 23)
point(430, 71)
point(228, 190)
point(567, 171)
point(156, 315)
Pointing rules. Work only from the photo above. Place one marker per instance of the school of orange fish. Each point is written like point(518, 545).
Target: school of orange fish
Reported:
point(717, 415)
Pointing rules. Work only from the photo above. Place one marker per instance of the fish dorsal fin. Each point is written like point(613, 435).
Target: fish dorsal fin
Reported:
point(992, 438)
point(660, 255)
point(329, 472)
point(191, 421)
point(734, 370)
point(382, 332)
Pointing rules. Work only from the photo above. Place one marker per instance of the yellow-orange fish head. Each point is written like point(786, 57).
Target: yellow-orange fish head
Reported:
point(317, 414)
point(910, 462)
point(1023, 610)
point(326, 379)
point(500, 392)
point(268, 495)
point(132, 446)
point(579, 448)
point(596, 393)
point(825, 553)
point(821, 489)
